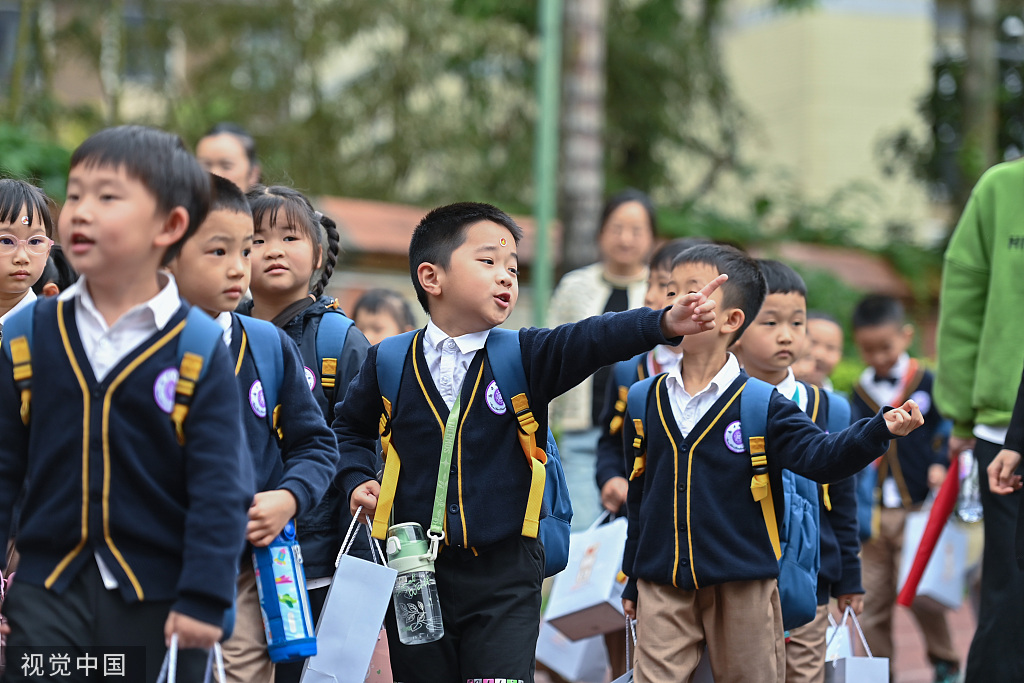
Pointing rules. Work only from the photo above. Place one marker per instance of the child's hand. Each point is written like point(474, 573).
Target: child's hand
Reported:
point(854, 600)
point(613, 494)
point(692, 313)
point(1001, 478)
point(629, 607)
point(957, 444)
point(903, 420)
point(268, 514)
point(936, 475)
point(191, 632)
point(365, 495)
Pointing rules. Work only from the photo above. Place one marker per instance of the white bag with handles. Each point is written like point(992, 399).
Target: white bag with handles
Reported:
point(852, 669)
point(169, 669)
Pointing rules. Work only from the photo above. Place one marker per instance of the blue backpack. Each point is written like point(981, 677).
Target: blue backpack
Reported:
point(264, 344)
point(330, 341)
point(797, 541)
point(505, 358)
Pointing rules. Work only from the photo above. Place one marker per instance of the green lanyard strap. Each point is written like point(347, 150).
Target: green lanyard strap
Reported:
point(436, 532)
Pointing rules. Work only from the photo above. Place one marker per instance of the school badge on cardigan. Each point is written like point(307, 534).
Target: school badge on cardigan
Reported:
point(495, 401)
point(163, 389)
point(734, 437)
point(257, 400)
point(310, 377)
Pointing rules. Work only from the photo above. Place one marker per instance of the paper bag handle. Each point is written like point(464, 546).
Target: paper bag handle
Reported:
point(848, 613)
point(601, 518)
point(169, 669)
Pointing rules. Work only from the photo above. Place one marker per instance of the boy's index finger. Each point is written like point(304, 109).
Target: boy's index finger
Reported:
point(710, 287)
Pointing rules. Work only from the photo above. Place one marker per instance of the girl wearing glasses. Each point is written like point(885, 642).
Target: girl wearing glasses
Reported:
point(25, 229)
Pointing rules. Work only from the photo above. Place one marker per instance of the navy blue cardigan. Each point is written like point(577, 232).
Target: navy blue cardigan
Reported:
point(304, 459)
point(104, 474)
point(489, 479)
point(692, 519)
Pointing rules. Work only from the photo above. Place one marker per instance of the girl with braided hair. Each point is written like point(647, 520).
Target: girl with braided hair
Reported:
point(294, 253)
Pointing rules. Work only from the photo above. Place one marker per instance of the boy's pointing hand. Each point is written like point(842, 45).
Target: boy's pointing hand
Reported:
point(905, 419)
point(692, 313)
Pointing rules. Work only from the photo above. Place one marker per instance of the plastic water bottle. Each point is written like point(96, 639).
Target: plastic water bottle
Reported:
point(968, 502)
point(281, 582)
point(417, 608)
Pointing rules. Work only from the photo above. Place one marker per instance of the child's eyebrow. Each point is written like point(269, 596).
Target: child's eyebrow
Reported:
point(490, 248)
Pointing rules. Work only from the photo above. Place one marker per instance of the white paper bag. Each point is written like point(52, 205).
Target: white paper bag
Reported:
point(582, 661)
point(586, 598)
point(852, 669)
point(840, 644)
point(347, 632)
point(943, 578)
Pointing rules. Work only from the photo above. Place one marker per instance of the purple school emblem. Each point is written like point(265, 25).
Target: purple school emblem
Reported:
point(163, 389)
point(495, 401)
point(310, 378)
point(257, 401)
point(734, 437)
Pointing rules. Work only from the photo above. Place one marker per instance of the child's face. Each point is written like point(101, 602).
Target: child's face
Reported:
point(480, 287)
point(377, 325)
point(776, 337)
point(657, 288)
point(626, 238)
point(224, 155)
point(24, 247)
point(881, 345)
point(282, 259)
point(825, 348)
point(109, 223)
point(213, 266)
point(688, 278)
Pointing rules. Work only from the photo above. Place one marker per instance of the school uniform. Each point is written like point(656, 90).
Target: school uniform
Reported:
point(698, 553)
point(839, 573)
point(117, 518)
point(301, 460)
point(901, 487)
point(321, 528)
point(488, 574)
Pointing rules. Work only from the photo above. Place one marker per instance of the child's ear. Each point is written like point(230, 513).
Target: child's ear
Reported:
point(51, 289)
point(731, 321)
point(429, 276)
point(173, 229)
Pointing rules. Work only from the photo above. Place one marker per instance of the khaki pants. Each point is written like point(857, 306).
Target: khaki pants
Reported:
point(741, 623)
point(805, 651)
point(245, 652)
point(880, 562)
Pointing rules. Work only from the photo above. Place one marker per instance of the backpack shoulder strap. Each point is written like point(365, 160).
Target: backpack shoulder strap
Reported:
point(636, 411)
point(264, 344)
point(391, 355)
point(506, 360)
point(625, 373)
point(754, 402)
point(330, 341)
point(17, 344)
point(196, 344)
point(838, 412)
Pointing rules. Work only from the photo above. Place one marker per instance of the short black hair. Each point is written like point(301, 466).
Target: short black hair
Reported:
point(624, 197)
point(745, 289)
point(815, 314)
point(16, 195)
point(877, 309)
point(228, 197)
point(57, 270)
point(781, 279)
point(662, 257)
point(443, 230)
point(388, 300)
point(161, 162)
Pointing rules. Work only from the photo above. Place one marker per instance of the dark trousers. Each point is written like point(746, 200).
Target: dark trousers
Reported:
point(85, 618)
point(291, 672)
point(995, 653)
point(490, 605)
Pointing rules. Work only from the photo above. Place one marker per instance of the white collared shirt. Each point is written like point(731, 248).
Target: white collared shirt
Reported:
point(665, 357)
point(29, 297)
point(884, 393)
point(224, 320)
point(688, 410)
point(107, 345)
point(793, 390)
point(448, 358)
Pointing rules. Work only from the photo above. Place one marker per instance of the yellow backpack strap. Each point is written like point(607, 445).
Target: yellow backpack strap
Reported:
point(620, 410)
point(824, 497)
point(761, 490)
point(754, 405)
point(188, 374)
point(21, 357)
point(639, 449)
point(527, 433)
point(389, 483)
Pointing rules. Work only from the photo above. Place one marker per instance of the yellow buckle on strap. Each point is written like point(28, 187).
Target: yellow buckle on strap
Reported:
point(21, 357)
point(188, 374)
point(761, 490)
point(528, 427)
point(615, 426)
point(824, 497)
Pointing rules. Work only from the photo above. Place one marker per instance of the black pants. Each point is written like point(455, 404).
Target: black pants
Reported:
point(995, 653)
point(491, 609)
point(87, 620)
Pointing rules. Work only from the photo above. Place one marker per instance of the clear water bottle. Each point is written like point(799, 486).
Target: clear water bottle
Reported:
point(417, 608)
point(968, 502)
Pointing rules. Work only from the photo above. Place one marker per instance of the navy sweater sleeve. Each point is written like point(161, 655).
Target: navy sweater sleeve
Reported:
point(843, 519)
point(218, 491)
point(356, 425)
point(308, 446)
